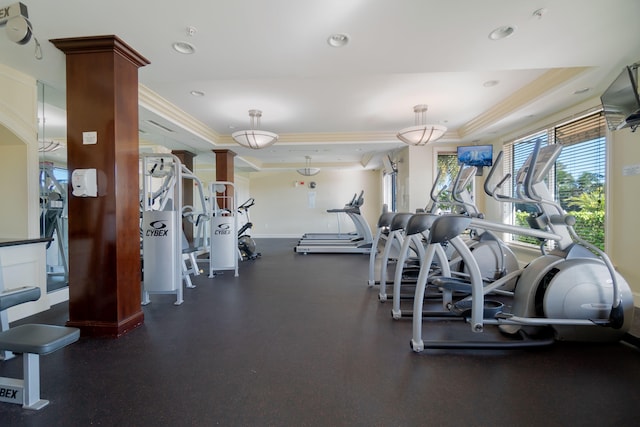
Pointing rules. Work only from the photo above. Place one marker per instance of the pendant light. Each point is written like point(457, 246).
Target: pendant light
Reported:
point(421, 133)
point(254, 137)
point(308, 170)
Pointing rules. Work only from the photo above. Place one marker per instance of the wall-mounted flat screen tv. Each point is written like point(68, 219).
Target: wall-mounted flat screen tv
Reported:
point(476, 155)
point(621, 102)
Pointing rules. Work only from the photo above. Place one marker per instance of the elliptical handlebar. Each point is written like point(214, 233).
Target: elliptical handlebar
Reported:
point(454, 188)
point(457, 189)
point(492, 171)
point(531, 172)
point(247, 204)
point(433, 195)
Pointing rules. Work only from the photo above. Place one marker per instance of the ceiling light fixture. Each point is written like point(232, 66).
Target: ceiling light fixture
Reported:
point(184, 47)
point(421, 133)
point(338, 40)
point(308, 170)
point(539, 13)
point(197, 93)
point(502, 32)
point(254, 137)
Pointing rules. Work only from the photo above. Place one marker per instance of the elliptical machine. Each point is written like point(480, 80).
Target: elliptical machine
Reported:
point(495, 259)
point(246, 244)
point(574, 293)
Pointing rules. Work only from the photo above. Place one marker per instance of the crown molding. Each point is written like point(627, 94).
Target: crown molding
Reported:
point(155, 103)
point(520, 98)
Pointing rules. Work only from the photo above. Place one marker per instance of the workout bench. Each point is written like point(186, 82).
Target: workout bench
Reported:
point(33, 341)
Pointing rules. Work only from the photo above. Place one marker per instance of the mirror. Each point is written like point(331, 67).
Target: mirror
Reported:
point(54, 179)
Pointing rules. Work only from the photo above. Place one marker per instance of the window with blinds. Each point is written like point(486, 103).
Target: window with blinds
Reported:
point(578, 179)
point(580, 175)
point(448, 167)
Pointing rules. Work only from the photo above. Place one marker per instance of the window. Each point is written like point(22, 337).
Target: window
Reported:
point(447, 167)
point(577, 181)
point(389, 190)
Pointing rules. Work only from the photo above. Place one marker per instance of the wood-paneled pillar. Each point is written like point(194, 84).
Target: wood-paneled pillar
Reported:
point(224, 165)
point(102, 133)
point(186, 157)
point(224, 170)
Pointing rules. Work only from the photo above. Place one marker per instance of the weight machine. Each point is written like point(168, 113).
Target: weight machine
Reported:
point(164, 247)
point(224, 252)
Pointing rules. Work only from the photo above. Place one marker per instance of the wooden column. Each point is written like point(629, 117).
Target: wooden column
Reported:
point(186, 157)
point(224, 170)
point(102, 133)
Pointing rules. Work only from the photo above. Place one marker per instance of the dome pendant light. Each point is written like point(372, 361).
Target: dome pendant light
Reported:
point(308, 170)
point(421, 133)
point(254, 137)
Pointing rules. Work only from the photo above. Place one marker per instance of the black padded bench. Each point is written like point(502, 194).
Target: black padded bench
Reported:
point(33, 341)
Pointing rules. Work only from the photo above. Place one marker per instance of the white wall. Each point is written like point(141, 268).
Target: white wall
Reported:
point(623, 225)
point(18, 155)
point(13, 187)
point(415, 177)
point(286, 209)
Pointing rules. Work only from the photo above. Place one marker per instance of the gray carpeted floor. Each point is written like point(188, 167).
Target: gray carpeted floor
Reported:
point(300, 340)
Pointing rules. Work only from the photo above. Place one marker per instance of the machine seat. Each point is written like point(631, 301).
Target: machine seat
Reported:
point(37, 339)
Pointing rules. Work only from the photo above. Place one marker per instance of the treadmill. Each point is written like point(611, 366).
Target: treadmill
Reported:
point(356, 201)
point(358, 242)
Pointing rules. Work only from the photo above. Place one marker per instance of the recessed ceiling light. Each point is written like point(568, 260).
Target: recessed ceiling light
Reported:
point(184, 48)
point(197, 93)
point(502, 32)
point(490, 83)
point(338, 40)
point(581, 91)
point(539, 13)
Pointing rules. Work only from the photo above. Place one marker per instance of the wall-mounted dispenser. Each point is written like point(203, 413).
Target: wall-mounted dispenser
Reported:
point(84, 183)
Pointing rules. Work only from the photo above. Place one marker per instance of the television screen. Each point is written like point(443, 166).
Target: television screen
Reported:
point(620, 102)
point(476, 155)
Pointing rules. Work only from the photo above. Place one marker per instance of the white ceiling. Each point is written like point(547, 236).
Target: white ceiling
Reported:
point(343, 106)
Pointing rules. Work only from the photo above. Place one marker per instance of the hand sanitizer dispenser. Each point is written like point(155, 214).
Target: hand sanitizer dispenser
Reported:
point(84, 183)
